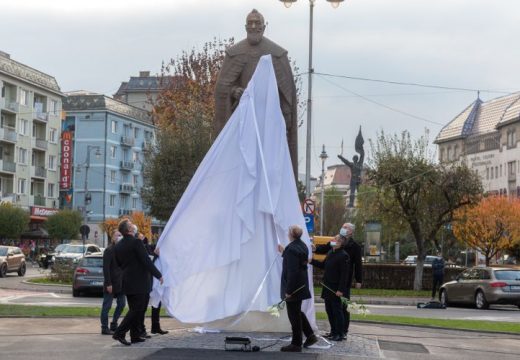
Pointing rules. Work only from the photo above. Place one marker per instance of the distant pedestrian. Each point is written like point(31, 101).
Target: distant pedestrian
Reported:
point(437, 273)
point(111, 287)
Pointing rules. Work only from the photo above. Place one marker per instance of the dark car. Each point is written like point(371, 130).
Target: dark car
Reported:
point(482, 286)
point(88, 275)
point(12, 259)
point(47, 260)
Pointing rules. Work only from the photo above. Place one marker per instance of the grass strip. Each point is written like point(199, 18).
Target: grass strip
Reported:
point(382, 292)
point(58, 311)
point(48, 281)
point(494, 326)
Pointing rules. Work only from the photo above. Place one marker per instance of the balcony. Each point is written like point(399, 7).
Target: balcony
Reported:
point(511, 177)
point(127, 141)
point(38, 200)
point(124, 212)
point(127, 165)
point(8, 134)
point(39, 172)
point(147, 146)
point(40, 144)
point(40, 116)
point(12, 106)
point(126, 188)
point(8, 166)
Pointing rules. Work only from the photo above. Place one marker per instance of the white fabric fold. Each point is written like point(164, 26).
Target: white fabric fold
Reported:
point(218, 250)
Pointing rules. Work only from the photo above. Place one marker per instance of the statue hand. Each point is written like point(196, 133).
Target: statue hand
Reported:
point(237, 92)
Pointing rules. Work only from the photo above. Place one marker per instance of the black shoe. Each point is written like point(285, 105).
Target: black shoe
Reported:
point(145, 335)
point(106, 332)
point(291, 348)
point(113, 327)
point(159, 331)
point(311, 340)
point(344, 336)
point(121, 339)
point(328, 336)
point(337, 338)
point(137, 340)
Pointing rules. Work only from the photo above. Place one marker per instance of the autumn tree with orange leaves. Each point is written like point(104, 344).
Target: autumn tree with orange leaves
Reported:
point(143, 223)
point(491, 226)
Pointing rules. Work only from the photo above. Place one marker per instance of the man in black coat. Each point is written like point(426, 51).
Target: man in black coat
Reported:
point(295, 288)
point(335, 286)
point(355, 265)
point(111, 287)
point(131, 256)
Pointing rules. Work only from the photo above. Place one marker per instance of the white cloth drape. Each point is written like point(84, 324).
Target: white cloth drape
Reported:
point(218, 251)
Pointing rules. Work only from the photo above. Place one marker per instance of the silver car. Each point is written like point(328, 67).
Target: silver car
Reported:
point(88, 275)
point(482, 286)
point(12, 259)
point(71, 254)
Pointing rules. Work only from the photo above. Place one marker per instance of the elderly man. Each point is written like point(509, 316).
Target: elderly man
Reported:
point(238, 68)
point(355, 266)
point(136, 266)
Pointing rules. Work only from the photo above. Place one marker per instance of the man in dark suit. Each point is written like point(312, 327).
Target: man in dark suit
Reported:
point(334, 286)
point(111, 287)
point(136, 266)
point(355, 264)
point(295, 289)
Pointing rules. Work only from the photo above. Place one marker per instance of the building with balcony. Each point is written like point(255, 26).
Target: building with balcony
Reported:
point(30, 110)
point(107, 157)
point(140, 91)
point(484, 135)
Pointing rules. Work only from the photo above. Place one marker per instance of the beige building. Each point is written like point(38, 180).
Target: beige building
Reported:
point(485, 136)
point(140, 91)
point(30, 107)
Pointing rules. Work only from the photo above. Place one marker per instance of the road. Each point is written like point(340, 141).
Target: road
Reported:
point(12, 291)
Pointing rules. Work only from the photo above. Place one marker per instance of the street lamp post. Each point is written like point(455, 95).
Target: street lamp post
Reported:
point(88, 197)
point(323, 157)
point(288, 3)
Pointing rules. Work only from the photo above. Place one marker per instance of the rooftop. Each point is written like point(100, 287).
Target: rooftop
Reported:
point(25, 73)
point(482, 117)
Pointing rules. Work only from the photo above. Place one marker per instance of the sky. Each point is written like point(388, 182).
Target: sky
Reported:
point(472, 44)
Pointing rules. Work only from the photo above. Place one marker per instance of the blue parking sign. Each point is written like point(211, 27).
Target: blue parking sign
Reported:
point(309, 222)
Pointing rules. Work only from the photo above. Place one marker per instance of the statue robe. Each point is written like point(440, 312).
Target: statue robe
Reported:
point(239, 65)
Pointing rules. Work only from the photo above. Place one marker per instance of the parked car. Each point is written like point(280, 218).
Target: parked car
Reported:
point(412, 260)
point(12, 259)
point(72, 254)
point(88, 275)
point(482, 286)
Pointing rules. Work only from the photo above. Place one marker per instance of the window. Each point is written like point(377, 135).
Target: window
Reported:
point(487, 174)
point(511, 168)
point(50, 190)
point(22, 156)
point(448, 154)
point(500, 170)
point(126, 130)
point(455, 152)
point(135, 179)
point(24, 97)
point(113, 151)
point(22, 186)
point(112, 176)
point(125, 155)
point(134, 203)
point(114, 127)
point(135, 157)
point(52, 162)
point(496, 172)
point(24, 125)
point(492, 173)
point(442, 155)
point(53, 107)
point(123, 202)
point(53, 135)
point(112, 201)
point(136, 132)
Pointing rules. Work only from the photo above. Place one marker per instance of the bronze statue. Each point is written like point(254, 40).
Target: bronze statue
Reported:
point(238, 68)
point(356, 167)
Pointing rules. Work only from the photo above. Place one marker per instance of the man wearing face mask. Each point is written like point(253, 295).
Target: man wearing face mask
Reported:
point(111, 287)
point(334, 288)
point(355, 265)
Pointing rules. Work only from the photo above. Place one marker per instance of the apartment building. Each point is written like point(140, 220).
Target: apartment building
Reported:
point(485, 136)
point(141, 91)
point(109, 139)
point(30, 109)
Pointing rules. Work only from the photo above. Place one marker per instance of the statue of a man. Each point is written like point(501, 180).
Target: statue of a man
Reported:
point(356, 167)
point(238, 68)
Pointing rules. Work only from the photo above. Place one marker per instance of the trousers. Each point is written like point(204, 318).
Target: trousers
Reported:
point(133, 319)
point(299, 322)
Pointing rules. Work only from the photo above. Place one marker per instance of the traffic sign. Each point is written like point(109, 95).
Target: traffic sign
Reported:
point(309, 222)
point(308, 207)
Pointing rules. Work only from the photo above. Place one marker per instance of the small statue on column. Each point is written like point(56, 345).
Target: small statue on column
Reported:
point(356, 167)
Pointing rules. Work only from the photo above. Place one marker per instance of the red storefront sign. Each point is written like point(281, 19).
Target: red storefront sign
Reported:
point(66, 160)
point(42, 211)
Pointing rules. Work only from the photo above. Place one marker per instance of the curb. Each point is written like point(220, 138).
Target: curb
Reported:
point(382, 301)
point(28, 282)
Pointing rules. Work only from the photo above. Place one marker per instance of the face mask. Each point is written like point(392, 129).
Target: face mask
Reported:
point(119, 238)
point(343, 232)
point(136, 231)
point(333, 243)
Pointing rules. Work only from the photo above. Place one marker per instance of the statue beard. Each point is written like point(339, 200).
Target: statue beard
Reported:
point(254, 38)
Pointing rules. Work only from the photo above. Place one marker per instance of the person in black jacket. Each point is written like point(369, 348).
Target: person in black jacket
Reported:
point(111, 287)
point(355, 265)
point(131, 256)
point(334, 286)
point(295, 288)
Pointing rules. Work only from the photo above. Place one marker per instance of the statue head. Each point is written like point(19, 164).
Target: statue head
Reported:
point(255, 26)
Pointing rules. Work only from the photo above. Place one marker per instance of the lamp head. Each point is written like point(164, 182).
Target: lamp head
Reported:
point(335, 3)
point(288, 3)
